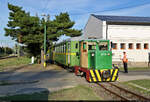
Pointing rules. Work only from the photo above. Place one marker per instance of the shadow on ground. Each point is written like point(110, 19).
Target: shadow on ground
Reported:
point(28, 94)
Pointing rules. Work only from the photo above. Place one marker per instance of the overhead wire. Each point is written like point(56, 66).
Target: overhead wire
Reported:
point(47, 2)
point(108, 10)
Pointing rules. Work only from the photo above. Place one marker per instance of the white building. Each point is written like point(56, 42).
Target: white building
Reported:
point(129, 34)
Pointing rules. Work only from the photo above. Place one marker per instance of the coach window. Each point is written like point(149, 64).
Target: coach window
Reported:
point(122, 46)
point(76, 45)
point(61, 48)
point(130, 45)
point(145, 45)
point(68, 47)
point(58, 49)
point(138, 46)
point(114, 46)
point(64, 48)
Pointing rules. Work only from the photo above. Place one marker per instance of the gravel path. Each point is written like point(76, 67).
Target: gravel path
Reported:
point(134, 75)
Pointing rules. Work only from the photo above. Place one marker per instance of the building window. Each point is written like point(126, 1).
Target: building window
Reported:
point(146, 46)
point(122, 46)
point(130, 46)
point(138, 46)
point(114, 46)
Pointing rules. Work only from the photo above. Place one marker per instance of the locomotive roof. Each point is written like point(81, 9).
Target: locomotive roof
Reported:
point(94, 40)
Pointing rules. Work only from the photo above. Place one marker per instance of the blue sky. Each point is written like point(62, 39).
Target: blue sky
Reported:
point(79, 10)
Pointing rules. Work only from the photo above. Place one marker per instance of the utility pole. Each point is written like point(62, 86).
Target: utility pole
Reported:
point(44, 40)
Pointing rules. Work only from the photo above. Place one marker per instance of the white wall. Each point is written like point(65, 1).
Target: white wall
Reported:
point(134, 55)
point(130, 34)
point(128, 31)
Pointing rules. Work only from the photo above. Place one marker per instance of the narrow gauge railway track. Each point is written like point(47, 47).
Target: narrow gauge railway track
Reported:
point(7, 57)
point(122, 93)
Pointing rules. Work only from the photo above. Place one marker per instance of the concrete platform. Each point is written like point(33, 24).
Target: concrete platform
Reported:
point(134, 75)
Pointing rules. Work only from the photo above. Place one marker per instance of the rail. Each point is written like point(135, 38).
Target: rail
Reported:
point(127, 92)
point(111, 92)
point(130, 92)
point(7, 57)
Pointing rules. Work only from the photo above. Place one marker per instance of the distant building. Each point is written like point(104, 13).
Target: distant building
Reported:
point(129, 34)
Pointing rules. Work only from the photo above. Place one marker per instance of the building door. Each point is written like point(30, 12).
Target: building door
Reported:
point(148, 58)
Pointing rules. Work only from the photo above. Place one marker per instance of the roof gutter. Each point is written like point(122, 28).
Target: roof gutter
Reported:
point(106, 31)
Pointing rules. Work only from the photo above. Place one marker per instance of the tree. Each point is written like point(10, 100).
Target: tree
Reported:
point(25, 29)
point(61, 25)
point(29, 30)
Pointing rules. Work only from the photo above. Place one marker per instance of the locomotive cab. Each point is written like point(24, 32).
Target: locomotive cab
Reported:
point(95, 54)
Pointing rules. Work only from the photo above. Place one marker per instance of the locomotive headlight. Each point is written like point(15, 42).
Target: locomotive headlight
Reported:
point(106, 74)
point(93, 54)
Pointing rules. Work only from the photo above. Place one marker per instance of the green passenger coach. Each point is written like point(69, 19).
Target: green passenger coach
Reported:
point(66, 53)
point(92, 58)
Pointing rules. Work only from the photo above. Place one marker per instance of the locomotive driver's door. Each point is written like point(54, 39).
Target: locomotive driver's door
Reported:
point(84, 54)
point(91, 54)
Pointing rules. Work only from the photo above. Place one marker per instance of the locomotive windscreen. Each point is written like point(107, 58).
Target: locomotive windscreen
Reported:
point(103, 45)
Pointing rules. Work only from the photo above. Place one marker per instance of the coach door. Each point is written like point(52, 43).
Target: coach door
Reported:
point(84, 54)
point(68, 55)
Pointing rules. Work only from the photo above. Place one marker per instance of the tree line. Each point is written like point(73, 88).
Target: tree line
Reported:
point(5, 51)
point(29, 30)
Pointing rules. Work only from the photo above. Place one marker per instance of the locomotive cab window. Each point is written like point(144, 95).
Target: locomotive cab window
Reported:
point(84, 46)
point(91, 46)
point(103, 46)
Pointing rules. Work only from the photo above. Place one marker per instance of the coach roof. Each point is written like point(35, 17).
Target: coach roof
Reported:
point(135, 19)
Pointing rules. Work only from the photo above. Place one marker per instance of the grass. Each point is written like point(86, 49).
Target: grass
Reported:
point(13, 62)
point(79, 92)
point(3, 55)
point(143, 83)
point(76, 93)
